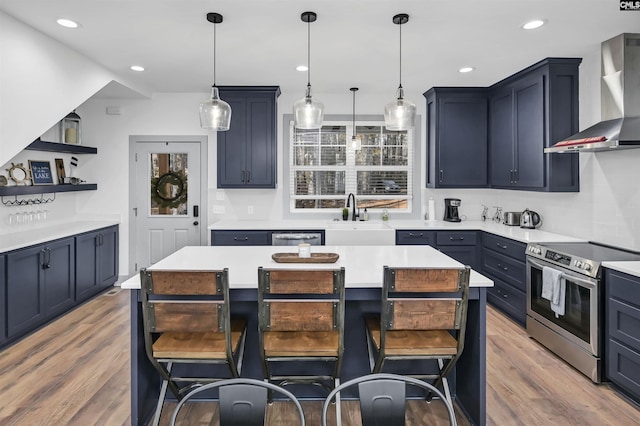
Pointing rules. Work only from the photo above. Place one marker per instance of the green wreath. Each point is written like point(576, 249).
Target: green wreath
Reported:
point(169, 190)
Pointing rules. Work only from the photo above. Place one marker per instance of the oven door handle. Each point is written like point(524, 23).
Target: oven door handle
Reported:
point(585, 283)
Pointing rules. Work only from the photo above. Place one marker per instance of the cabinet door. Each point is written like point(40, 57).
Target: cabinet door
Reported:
point(467, 255)
point(59, 278)
point(462, 142)
point(86, 272)
point(25, 296)
point(501, 138)
point(108, 257)
point(405, 237)
point(232, 145)
point(3, 288)
point(529, 132)
point(241, 238)
point(261, 147)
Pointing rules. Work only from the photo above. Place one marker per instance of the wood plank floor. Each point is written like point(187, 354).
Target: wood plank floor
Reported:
point(76, 371)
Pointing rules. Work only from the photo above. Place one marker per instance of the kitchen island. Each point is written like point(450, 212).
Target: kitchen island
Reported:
point(363, 282)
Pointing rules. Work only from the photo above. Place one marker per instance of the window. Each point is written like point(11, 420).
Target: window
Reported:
point(324, 169)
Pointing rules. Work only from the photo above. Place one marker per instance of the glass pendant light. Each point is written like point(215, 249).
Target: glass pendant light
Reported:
point(215, 114)
point(400, 113)
point(355, 144)
point(308, 112)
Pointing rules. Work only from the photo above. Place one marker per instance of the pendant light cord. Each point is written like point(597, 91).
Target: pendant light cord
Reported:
point(400, 54)
point(214, 53)
point(308, 53)
point(354, 113)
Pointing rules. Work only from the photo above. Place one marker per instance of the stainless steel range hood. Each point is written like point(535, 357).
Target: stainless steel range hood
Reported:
point(620, 101)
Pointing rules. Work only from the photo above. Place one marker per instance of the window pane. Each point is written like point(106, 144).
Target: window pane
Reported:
point(169, 184)
point(320, 204)
point(319, 183)
point(383, 204)
point(395, 151)
point(382, 183)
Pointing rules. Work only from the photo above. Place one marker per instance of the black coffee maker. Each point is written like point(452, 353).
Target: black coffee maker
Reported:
point(451, 209)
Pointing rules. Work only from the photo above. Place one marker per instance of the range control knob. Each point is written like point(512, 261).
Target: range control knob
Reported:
point(579, 264)
point(586, 267)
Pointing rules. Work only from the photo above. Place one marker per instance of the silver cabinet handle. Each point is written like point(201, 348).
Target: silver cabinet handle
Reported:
point(504, 247)
point(411, 234)
point(240, 238)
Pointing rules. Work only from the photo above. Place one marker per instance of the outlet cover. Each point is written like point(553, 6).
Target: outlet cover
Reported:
point(219, 196)
point(250, 209)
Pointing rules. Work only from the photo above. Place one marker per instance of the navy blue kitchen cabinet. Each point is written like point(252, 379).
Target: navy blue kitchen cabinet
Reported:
point(247, 151)
point(460, 245)
point(622, 332)
point(241, 238)
point(40, 284)
point(3, 291)
point(96, 262)
point(504, 262)
point(457, 151)
point(529, 111)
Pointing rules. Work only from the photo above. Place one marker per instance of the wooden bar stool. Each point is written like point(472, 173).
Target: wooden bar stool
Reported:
point(301, 318)
point(187, 321)
point(423, 316)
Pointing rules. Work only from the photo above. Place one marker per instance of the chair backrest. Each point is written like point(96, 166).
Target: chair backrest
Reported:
point(382, 398)
point(300, 300)
point(243, 402)
point(184, 301)
point(425, 298)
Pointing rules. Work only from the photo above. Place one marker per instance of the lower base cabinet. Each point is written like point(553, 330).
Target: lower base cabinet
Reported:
point(504, 261)
point(96, 262)
point(460, 245)
point(46, 280)
point(622, 332)
point(40, 284)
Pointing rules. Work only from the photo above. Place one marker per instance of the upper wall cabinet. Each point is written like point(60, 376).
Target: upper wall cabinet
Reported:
point(247, 151)
point(457, 154)
point(528, 112)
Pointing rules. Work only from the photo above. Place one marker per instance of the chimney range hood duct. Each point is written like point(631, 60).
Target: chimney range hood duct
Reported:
point(620, 101)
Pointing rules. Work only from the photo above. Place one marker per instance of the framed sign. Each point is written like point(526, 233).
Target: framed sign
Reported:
point(41, 172)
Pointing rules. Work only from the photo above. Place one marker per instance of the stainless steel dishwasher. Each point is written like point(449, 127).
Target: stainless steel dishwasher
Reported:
point(295, 238)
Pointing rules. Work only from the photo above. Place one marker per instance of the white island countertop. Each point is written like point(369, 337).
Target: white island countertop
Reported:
point(363, 264)
point(512, 232)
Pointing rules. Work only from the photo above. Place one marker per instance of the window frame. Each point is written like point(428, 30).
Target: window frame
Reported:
point(413, 171)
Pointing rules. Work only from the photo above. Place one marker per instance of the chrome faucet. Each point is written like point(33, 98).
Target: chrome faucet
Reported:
point(353, 212)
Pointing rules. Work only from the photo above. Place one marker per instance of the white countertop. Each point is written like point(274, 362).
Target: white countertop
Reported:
point(512, 232)
point(631, 268)
point(363, 264)
point(13, 240)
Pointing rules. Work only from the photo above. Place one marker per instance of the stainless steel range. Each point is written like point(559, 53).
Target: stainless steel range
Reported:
point(564, 300)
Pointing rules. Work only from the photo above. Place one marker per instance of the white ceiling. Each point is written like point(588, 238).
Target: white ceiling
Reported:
point(354, 42)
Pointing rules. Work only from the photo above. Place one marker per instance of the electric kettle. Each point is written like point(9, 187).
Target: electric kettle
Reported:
point(530, 219)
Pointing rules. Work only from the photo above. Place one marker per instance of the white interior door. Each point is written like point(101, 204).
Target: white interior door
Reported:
point(167, 199)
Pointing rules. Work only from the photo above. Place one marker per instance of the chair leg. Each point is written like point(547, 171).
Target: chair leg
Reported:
point(336, 383)
point(444, 370)
point(163, 393)
point(370, 351)
point(241, 353)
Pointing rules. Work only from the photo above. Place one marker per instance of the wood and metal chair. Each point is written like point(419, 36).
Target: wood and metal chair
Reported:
point(301, 319)
point(423, 317)
point(383, 398)
point(242, 402)
point(187, 321)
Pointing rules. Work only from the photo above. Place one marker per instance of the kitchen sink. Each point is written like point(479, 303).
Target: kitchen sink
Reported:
point(359, 233)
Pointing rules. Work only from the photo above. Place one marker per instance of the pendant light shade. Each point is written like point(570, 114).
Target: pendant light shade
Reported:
point(308, 112)
point(215, 114)
point(400, 114)
point(355, 144)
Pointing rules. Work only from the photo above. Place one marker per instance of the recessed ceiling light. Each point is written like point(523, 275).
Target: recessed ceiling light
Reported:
point(533, 24)
point(302, 68)
point(137, 68)
point(466, 69)
point(68, 23)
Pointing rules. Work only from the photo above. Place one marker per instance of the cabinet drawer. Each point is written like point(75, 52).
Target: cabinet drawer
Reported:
point(240, 238)
point(623, 287)
point(623, 367)
point(415, 237)
point(510, 270)
point(505, 246)
point(457, 238)
point(508, 300)
point(624, 323)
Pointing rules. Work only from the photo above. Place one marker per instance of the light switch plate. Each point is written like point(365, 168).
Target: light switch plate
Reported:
point(218, 209)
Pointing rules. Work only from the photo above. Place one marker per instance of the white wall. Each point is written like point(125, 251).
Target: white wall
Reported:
point(41, 81)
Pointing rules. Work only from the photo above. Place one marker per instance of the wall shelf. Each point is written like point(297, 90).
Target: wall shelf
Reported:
point(14, 191)
point(40, 145)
